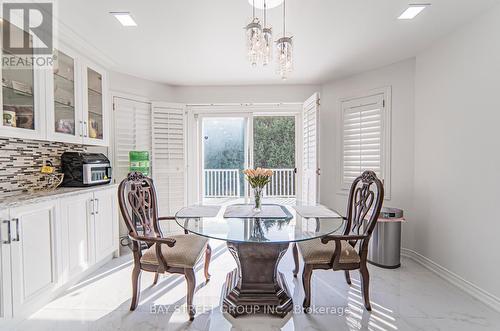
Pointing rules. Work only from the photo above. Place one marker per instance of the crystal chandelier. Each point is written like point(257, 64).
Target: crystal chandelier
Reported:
point(260, 40)
point(254, 39)
point(285, 50)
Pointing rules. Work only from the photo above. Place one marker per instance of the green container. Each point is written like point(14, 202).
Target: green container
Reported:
point(139, 161)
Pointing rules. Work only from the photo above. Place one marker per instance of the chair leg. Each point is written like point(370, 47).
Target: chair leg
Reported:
point(208, 256)
point(191, 285)
point(136, 286)
point(347, 277)
point(306, 282)
point(295, 259)
point(155, 281)
point(365, 285)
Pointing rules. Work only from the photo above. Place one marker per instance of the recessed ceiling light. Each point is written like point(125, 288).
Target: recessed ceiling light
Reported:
point(124, 18)
point(269, 3)
point(412, 11)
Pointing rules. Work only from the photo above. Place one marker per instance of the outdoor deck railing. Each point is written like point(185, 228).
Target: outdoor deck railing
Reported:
point(282, 184)
point(222, 183)
point(226, 183)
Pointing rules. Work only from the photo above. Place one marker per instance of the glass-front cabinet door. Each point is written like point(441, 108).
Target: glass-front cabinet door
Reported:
point(96, 116)
point(23, 112)
point(64, 118)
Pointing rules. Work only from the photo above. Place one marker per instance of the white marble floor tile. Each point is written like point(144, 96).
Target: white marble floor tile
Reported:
point(408, 298)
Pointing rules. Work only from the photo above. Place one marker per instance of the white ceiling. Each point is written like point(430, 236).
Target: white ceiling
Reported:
point(201, 42)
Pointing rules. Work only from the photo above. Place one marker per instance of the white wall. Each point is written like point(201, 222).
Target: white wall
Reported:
point(244, 94)
point(400, 76)
point(457, 153)
point(119, 82)
point(155, 91)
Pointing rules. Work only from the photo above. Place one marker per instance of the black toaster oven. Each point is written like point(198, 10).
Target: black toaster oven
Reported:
point(85, 169)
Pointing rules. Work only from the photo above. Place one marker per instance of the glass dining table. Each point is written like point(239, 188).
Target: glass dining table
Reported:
point(258, 244)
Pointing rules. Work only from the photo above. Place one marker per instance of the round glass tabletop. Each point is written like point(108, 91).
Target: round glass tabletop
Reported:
point(291, 228)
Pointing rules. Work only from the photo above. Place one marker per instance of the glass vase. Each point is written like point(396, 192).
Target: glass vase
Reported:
point(257, 194)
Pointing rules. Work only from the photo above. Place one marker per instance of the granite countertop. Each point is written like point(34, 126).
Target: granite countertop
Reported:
point(24, 198)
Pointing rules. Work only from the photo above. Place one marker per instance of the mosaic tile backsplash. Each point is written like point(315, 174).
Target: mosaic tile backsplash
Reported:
point(21, 160)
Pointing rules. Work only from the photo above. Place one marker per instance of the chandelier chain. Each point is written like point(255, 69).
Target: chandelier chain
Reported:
point(284, 18)
point(265, 14)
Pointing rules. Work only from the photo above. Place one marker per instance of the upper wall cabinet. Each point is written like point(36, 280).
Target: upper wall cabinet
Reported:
point(22, 95)
point(64, 116)
point(64, 103)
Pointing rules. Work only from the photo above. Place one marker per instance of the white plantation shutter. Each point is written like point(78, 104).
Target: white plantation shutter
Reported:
point(169, 157)
point(310, 162)
point(132, 132)
point(363, 138)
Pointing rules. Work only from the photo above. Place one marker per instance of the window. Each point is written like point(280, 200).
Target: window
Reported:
point(365, 137)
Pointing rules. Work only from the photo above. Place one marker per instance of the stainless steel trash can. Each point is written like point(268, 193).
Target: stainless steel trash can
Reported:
point(385, 243)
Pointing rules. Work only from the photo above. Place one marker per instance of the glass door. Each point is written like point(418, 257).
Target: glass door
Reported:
point(22, 114)
point(274, 147)
point(95, 119)
point(224, 154)
point(64, 116)
point(233, 142)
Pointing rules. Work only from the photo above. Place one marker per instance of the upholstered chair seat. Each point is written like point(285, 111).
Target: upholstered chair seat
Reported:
point(186, 252)
point(315, 252)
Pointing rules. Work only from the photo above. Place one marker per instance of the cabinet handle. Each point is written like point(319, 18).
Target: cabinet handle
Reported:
point(81, 128)
point(97, 209)
point(16, 220)
point(86, 128)
point(92, 203)
point(9, 235)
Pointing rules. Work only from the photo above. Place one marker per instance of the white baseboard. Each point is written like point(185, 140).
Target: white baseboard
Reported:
point(475, 291)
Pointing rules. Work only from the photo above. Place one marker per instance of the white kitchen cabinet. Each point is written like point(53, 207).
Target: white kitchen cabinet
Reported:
point(105, 223)
point(35, 247)
point(47, 246)
point(64, 93)
point(67, 102)
point(90, 230)
point(5, 273)
point(22, 95)
point(77, 232)
point(77, 107)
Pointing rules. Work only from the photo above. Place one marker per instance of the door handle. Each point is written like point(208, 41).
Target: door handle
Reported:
point(9, 235)
point(16, 220)
point(97, 209)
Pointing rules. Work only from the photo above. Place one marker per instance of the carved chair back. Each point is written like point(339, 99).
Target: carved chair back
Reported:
point(138, 205)
point(365, 199)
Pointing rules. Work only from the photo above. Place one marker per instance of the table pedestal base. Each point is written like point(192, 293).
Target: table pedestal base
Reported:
point(256, 286)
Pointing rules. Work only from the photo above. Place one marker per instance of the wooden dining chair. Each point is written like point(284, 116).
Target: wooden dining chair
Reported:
point(347, 251)
point(151, 250)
